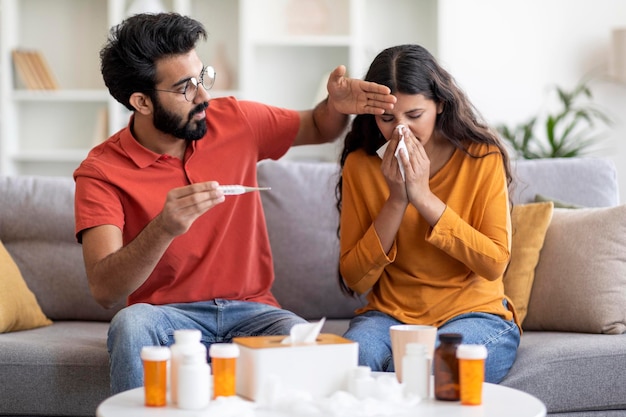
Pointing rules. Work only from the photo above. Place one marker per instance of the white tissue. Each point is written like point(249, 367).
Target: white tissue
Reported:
point(388, 400)
point(230, 407)
point(304, 332)
point(381, 150)
point(401, 145)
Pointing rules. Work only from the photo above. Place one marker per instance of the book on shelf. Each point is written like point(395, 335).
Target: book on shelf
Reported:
point(33, 70)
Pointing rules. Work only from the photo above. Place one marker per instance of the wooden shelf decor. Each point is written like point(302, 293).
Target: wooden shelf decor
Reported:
point(33, 70)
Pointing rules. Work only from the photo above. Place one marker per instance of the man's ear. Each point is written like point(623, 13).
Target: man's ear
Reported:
point(141, 103)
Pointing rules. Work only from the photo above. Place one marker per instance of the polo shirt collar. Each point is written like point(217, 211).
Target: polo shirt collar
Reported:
point(140, 155)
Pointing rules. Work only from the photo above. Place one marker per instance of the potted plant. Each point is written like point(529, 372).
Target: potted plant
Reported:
point(567, 132)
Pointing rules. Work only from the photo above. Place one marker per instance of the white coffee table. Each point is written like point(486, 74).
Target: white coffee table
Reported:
point(498, 401)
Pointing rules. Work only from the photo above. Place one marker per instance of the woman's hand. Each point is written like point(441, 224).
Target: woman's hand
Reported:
point(416, 169)
point(417, 175)
point(353, 96)
point(391, 171)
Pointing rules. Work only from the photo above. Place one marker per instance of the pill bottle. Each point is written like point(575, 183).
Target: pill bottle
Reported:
point(471, 372)
point(155, 359)
point(416, 370)
point(446, 367)
point(194, 375)
point(224, 364)
point(185, 341)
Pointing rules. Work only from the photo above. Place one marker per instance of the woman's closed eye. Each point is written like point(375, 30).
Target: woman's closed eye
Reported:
point(415, 114)
point(389, 118)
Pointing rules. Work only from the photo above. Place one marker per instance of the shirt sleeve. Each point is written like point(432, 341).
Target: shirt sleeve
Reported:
point(275, 128)
point(96, 202)
point(362, 259)
point(484, 246)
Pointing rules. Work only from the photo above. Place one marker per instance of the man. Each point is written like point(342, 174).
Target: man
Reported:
point(155, 226)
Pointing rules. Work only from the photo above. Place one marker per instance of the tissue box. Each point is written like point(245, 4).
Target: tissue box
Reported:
point(320, 368)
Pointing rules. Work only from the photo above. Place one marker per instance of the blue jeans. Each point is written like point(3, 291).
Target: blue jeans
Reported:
point(218, 320)
point(500, 337)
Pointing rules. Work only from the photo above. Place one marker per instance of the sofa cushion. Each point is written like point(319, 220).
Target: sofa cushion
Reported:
point(37, 217)
point(529, 224)
point(572, 372)
point(19, 309)
point(586, 181)
point(581, 275)
point(306, 256)
point(57, 370)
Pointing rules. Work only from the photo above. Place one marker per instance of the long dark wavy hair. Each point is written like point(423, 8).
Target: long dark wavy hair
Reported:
point(128, 59)
point(411, 69)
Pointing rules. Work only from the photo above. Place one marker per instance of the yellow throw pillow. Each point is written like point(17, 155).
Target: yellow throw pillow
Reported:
point(19, 309)
point(529, 224)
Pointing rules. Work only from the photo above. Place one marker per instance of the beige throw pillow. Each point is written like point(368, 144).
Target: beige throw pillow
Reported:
point(19, 309)
point(529, 224)
point(580, 280)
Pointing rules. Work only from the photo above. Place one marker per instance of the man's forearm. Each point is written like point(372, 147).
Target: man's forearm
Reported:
point(328, 121)
point(117, 275)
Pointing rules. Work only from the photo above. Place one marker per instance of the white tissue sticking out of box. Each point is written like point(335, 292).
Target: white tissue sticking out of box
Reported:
point(401, 145)
point(304, 333)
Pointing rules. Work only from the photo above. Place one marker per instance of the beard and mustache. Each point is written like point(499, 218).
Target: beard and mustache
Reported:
point(173, 124)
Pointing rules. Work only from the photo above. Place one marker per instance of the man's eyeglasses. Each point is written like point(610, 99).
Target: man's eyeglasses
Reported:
point(207, 79)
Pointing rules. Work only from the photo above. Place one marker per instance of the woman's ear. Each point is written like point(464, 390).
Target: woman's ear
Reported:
point(439, 107)
point(141, 103)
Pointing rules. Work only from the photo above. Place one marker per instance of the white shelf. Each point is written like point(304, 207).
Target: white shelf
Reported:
point(52, 130)
point(279, 52)
point(61, 95)
point(56, 155)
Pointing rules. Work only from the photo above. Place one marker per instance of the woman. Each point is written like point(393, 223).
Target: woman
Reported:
point(428, 245)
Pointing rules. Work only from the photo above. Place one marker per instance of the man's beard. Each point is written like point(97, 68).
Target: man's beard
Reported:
point(173, 124)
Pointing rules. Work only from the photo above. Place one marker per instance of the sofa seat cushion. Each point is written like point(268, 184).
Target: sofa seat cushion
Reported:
point(571, 372)
point(61, 369)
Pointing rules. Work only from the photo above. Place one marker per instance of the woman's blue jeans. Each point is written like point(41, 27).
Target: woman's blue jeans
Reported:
point(499, 336)
point(218, 320)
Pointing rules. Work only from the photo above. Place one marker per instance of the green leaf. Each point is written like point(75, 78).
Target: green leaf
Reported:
point(568, 132)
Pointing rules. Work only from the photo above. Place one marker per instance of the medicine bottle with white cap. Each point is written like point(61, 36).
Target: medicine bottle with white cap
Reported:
point(185, 341)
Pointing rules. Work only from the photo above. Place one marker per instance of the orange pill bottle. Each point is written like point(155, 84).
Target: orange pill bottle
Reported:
point(471, 373)
point(155, 360)
point(224, 365)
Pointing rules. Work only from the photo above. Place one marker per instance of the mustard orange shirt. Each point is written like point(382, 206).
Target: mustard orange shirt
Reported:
point(226, 252)
point(431, 274)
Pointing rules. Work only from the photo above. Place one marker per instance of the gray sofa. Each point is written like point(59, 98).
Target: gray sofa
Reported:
point(62, 369)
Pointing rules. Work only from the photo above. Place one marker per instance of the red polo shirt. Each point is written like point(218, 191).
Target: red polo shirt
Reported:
point(226, 252)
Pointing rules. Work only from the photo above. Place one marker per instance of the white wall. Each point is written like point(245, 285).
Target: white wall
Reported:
point(506, 53)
